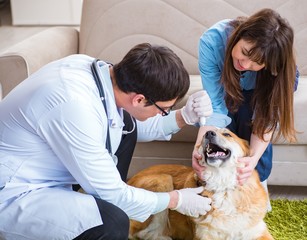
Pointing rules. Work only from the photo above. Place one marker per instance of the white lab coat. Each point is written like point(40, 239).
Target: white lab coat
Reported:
point(52, 134)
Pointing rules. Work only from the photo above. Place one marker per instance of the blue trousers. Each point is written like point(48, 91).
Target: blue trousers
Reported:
point(241, 125)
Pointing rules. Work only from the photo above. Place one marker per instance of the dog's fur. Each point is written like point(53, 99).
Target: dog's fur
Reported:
point(237, 210)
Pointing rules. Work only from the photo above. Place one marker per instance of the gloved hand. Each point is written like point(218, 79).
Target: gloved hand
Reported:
point(192, 204)
point(197, 106)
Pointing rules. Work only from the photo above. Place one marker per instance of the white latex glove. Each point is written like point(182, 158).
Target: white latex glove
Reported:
point(192, 204)
point(198, 106)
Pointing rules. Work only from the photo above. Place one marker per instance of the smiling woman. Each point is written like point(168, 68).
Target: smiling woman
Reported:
point(244, 59)
point(248, 68)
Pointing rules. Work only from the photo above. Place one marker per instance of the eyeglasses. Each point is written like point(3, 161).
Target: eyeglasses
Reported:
point(164, 112)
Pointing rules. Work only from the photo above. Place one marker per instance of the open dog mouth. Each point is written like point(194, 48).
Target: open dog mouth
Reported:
point(214, 152)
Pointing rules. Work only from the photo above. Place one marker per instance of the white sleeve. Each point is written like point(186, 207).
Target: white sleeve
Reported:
point(75, 132)
point(157, 128)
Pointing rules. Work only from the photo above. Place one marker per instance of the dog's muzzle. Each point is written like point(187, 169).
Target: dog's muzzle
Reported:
point(212, 151)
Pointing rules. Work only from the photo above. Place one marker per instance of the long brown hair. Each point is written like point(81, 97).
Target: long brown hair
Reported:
point(272, 38)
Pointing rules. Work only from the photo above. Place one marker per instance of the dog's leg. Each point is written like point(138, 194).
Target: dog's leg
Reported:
point(157, 226)
point(156, 229)
point(265, 186)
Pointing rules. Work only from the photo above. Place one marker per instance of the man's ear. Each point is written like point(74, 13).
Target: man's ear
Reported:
point(138, 99)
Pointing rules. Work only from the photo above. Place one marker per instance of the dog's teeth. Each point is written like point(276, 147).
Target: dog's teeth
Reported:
point(208, 149)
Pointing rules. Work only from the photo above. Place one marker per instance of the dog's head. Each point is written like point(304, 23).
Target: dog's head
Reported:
point(221, 147)
point(220, 150)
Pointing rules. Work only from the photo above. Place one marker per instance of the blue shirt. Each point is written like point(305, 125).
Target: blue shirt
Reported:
point(212, 49)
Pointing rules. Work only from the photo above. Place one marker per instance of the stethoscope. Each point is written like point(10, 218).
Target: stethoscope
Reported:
point(94, 68)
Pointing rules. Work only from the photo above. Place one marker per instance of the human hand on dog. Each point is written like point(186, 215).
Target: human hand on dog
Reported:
point(190, 203)
point(196, 158)
point(248, 166)
point(197, 106)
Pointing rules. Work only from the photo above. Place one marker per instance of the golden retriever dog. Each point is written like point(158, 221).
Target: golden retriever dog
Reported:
point(237, 210)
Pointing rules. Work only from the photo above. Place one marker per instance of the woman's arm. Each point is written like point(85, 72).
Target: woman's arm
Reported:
point(257, 148)
point(211, 54)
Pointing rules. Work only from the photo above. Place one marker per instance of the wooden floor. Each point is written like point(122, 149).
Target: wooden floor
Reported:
point(10, 35)
point(288, 192)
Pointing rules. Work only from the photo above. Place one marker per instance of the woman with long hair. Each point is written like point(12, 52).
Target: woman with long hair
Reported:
point(248, 68)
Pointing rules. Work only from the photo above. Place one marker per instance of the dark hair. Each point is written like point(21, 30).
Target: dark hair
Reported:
point(154, 71)
point(272, 38)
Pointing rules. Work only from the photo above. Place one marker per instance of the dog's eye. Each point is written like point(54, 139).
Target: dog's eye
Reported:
point(226, 135)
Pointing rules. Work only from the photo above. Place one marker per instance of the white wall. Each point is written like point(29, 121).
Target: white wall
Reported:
point(46, 12)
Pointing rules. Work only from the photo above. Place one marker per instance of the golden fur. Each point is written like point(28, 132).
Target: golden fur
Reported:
point(237, 210)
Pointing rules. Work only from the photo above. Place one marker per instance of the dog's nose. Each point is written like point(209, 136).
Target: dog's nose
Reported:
point(210, 134)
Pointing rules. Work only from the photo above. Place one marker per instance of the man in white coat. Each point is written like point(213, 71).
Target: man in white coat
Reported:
point(76, 121)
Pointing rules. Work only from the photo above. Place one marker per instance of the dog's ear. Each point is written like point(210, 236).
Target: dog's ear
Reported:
point(243, 143)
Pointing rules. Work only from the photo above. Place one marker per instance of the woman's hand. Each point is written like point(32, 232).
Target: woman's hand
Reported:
point(196, 157)
point(257, 148)
point(244, 172)
point(198, 169)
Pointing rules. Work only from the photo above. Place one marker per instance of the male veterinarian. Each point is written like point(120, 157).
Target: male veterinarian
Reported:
point(73, 121)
